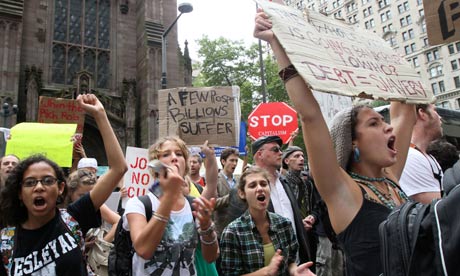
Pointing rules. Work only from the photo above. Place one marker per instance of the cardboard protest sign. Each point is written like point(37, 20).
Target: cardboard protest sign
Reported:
point(137, 179)
point(57, 110)
point(51, 140)
point(442, 18)
point(337, 58)
point(197, 114)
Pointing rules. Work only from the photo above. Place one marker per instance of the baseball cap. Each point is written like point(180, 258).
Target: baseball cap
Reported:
point(87, 163)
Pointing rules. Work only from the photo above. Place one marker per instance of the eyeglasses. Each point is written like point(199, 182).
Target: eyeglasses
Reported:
point(32, 182)
point(275, 149)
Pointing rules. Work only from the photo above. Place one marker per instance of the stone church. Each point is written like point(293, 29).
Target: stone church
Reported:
point(61, 48)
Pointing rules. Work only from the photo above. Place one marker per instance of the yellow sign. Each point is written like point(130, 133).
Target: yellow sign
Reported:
point(51, 140)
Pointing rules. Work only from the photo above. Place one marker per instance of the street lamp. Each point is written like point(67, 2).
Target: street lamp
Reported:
point(6, 112)
point(183, 8)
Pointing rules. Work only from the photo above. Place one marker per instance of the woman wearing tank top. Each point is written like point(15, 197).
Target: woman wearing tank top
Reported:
point(358, 179)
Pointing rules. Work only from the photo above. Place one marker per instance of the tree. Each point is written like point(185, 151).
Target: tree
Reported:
point(226, 62)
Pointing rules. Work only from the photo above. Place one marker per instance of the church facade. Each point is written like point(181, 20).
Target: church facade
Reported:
point(62, 48)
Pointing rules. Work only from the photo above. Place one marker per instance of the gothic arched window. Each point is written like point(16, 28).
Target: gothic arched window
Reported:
point(81, 40)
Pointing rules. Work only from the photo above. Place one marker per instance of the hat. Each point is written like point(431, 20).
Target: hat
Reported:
point(265, 140)
point(87, 163)
point(287, 152)
point(341, 136)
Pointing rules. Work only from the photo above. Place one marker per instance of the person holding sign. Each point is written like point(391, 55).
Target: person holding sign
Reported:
point(259, 241)
point(165, 244)
point(358, 180)
point(46, 240)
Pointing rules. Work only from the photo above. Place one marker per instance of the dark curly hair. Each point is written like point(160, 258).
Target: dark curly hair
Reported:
point(12, 210)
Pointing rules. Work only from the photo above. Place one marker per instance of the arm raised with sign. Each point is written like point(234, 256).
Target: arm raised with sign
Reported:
point(366, 145)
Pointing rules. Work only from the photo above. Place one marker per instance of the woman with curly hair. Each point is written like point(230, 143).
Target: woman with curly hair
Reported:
point(40, 238)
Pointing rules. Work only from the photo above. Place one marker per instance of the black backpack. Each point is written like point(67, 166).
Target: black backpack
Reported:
point(422, 239)
point(121, 255)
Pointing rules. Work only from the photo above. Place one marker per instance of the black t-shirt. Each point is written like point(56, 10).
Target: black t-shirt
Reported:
point(52, 249)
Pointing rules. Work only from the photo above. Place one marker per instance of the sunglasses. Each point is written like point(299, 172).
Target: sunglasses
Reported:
point(275, 149)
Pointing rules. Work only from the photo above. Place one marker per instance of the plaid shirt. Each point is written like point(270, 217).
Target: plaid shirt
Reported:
point(242, 248)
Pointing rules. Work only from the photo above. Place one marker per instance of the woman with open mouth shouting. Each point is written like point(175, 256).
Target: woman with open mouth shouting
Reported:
point(39, 238)
point(259, 241)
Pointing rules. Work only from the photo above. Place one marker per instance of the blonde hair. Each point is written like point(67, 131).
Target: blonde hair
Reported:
point(154, 150)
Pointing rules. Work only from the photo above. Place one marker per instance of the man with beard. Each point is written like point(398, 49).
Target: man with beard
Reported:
point(422, 176)
point(7, 164)
point(268, 155)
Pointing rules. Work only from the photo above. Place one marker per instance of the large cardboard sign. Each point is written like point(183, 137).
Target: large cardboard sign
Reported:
point(197, 114)
point(52, 140)
point(442, 19)
point(57, 110)
point(137, 179)
point(337, 58)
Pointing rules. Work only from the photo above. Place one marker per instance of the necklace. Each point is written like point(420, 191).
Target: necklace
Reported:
point(385, 198)
point(366, 178)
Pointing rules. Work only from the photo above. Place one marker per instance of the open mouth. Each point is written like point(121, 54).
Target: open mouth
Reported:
point(261, 197)
point(39, 201)
point(391, 143)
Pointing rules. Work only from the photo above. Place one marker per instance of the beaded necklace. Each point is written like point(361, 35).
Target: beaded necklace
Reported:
point(386, 199)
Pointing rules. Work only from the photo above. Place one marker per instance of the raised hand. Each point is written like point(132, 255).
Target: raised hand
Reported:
point(90, 103)
point(263, 27)
point(203, 211)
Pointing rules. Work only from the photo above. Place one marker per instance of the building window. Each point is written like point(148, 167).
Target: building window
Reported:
point(403, 7)
point(458, 103)
point(421, 12)
point(457, 82)
point(442, 88)
point(426, 43)
point(444, 104)
point(432, 55)
point(415, 62)
point(423, 27)
point(436, 71)
point(367, 11)
point(419, 2)
point(405, 36)
point(434, 87)
point(369, 24)
point(384, 3)
point(454, 64)
point(405, 21)
point(457, 46)
point(451, 49)
point(81, 40)
point(365, 1)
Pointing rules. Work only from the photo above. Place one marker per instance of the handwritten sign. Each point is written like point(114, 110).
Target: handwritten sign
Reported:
point(337, 58)
point(442, 19)
point(137, 179)
point(51, 140)
point(197, 114)
point(57, 110)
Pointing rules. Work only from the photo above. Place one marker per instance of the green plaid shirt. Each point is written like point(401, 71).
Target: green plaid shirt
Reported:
point(242, 249)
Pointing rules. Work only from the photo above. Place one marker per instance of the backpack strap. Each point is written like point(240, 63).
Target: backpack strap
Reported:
point(145, 199)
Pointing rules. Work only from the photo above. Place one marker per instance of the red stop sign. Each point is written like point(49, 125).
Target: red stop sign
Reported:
point(272, 119)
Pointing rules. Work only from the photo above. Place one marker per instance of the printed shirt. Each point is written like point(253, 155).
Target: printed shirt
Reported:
point(175, 253)
point(51, 249)
point(242, 247)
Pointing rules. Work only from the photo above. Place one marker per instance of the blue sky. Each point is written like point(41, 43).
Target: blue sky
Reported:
point(232, 19)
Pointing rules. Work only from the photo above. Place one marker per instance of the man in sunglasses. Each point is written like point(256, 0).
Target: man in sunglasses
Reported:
point(268, 155)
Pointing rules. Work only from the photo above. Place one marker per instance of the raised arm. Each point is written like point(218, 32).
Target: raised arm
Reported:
point(336, 187)
point(403, 118)
point(210, 164)
point(116, 160)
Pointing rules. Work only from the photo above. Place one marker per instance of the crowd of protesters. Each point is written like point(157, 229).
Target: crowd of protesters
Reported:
point(278, 216)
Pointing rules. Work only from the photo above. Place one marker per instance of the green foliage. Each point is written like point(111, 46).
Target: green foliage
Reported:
point(225, 62)
point(378, 103)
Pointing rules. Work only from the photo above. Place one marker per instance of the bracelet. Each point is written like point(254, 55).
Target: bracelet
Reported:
point(208, 231)
point(213, 241)
point(160, 218)
point(288, 73)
